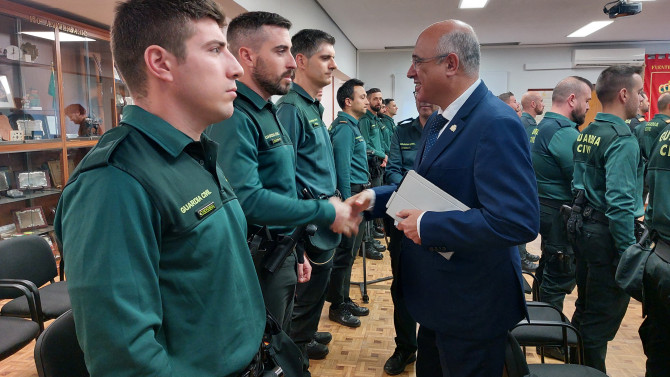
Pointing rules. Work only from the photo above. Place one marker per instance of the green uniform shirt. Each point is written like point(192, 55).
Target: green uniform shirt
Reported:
point(634, 122)
point(257, 156)
point(647, 133)
point(609, 168)
point(351, 162)
point(370, 128)
point(159, 273)
point(528, 121)
point(404, 144)
point(552, 156)
point(388, 126)
point(315, 167)
point(658, 175)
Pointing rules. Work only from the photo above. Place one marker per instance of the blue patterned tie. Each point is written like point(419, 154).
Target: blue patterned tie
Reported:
point(433, 128)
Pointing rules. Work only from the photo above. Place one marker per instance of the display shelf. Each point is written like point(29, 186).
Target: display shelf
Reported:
point(30, 145)
point(27, 196)
point(4, 60)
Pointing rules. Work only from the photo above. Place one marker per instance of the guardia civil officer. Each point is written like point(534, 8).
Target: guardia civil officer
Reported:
point(158, 269)
point(301, 113)
point(257, 155)
point(647, 132)
point(553, 162)
point(387, 122)
point(655, 330)
point(640, 117)
point(351, 167)
point(532, 105)
point(609, 169)
point(404, 144)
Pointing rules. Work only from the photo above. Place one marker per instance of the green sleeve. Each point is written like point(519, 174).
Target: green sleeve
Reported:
point(621, 160)
point(111, 231)
point(364, 127)
point(238, 157)
point(342, 139)
point(561, 148)
point(290, 119)
point(394, 166)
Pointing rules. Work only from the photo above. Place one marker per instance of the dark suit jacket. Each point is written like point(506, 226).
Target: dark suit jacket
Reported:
point(483, 162)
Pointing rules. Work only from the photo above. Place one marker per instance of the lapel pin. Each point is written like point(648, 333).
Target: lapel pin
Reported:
point(453, 128)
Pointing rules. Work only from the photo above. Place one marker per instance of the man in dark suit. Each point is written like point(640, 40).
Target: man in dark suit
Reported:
point(476, 149)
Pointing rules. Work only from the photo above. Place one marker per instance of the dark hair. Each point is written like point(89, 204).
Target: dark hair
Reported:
point(372, 91)
point(139, 24)
point(347, 91)
point(612, 80)
point(506, 96)
point(388, 100)
point(308, 41)
point(247, 24)
point(75, 107)
point(567, 86)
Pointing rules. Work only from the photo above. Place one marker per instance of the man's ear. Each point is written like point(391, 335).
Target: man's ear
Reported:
point(246, 57)
point(451, 63)
point(623, 95)
point(300, 61)
point(159, 62)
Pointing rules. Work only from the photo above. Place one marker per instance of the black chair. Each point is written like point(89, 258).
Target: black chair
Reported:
point(548, 327)
point(516, 365)
point(57, 351)
point(533, 290)
point(29, 261)
point(16, 333)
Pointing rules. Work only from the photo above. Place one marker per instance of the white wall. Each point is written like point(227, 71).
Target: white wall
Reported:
point(499, 65)
point(306, 14)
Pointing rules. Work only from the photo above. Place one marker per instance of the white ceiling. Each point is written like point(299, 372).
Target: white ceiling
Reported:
point(377, 24)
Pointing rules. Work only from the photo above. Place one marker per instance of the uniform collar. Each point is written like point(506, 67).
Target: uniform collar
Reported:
point(298, 89)
point(348, 117)
point(252, 97)
point(527, 115)
point(157, 129)
point(370, 115)
point(384, 116)
point(611, 118)
point(559, 117)
point(416, 123)
point(662, 117)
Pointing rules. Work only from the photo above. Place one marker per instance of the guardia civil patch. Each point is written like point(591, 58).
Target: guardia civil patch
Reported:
point(204, 211)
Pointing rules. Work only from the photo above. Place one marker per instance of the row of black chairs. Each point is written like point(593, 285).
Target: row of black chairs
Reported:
point(27, 263)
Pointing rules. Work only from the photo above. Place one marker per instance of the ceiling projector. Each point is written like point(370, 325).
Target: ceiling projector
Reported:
point(621, 8)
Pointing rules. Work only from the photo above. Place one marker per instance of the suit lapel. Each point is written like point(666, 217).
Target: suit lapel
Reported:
point(453, 129)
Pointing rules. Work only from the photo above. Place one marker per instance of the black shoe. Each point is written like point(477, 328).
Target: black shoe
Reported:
point(371, 253)
point(376, 234)
point(358, 311)
point(529, 266)
point(316, 350)
point(343, 316)
point(552, 352)
point(378, 246)
point(323, 337)
point(398, 361)
point(532, 257)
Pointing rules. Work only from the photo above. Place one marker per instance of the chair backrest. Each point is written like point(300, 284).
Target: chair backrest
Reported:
point(27, 258)
point(57, 351)
point(515, 360)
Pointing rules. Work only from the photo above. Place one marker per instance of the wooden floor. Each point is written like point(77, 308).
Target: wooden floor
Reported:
point(362, 352)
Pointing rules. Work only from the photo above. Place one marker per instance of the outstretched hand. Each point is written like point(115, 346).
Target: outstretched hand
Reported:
point(360, 202)
point(346, 219)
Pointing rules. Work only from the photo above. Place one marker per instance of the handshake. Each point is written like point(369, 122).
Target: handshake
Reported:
point(348, 213)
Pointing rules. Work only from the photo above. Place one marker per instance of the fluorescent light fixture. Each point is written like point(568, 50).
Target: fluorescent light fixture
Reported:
point(468, 4)
point(589, 29)
point(64, 37)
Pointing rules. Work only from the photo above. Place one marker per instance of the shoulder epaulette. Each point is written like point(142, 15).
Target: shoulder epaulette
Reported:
point(406, 121)
point(667, 121)
point(641, 119)
point(622, 131)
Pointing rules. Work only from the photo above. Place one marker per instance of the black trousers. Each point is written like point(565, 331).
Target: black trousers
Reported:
point(404, 324)
point(655, 330)
point(441, 355)
point(601, 304)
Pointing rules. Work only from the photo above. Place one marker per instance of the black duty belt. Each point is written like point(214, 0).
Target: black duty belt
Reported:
point(591, 213)
point(358, 187)
point(255, 367)
point(662, 249)
point(553, 203)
